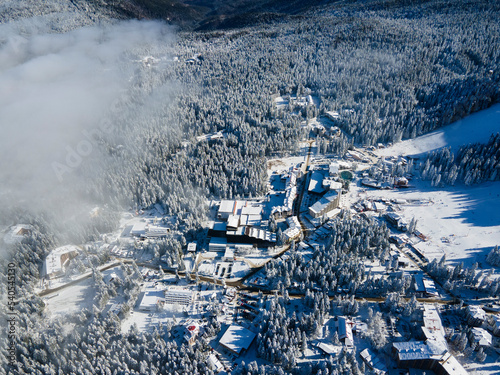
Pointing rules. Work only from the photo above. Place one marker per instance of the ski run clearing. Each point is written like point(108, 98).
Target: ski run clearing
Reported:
point(475, 128)
point(461, 222)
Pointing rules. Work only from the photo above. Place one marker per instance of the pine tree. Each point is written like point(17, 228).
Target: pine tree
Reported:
point(481, 355)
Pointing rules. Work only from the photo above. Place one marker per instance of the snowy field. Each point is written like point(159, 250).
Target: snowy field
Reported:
point(71, 300)
point(462, 222)
point(175, 314)
point(75, 298)
point(477, 127)
point(282, 165)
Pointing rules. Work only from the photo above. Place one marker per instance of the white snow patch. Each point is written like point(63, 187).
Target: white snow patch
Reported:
point(462, 222)
point(477, 127)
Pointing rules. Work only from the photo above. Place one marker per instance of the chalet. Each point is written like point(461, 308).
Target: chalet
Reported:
point(191, 331)
point(494, 324)
point(401, 182)
point(430, 288)
point(333, 116)
point(373, 362)
point(17, 233)
point(290, 194)
point(58, 260)
point(475, 315)
point(424, 287)
point(480, 337)
point(214, 364)
point(329, 349)
point(344, 328)
point(397, 240)
point(396, 221)
point(294, 229)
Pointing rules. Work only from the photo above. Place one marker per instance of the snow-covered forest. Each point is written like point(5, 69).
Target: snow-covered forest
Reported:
point(472, 164)
point(339, 263)
point(391, 69)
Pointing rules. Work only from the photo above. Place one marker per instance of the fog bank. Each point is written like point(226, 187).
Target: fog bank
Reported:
point(57, 91)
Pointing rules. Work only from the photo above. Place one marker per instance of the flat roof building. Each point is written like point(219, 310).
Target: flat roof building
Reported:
point(176, 295)
point(229, 254)
point(251, 209)
point(329, 184)
point(138, 229)
point(233, 222)
point(226, 208)
point(151, 300)
point(217, 244)
point(333, 169)
point(156, 232)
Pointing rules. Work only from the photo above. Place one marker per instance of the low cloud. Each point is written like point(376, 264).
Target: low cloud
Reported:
point(57, 91)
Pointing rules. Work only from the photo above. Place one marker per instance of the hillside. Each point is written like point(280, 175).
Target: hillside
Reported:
point(476, 128)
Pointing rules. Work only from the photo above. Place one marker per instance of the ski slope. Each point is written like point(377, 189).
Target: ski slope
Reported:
point(477, 127)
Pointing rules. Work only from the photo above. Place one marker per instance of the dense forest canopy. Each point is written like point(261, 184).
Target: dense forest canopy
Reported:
point(391, 69)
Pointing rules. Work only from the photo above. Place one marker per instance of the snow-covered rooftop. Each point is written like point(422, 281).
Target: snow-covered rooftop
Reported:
point(237, 338)
point(315, 184)
point(151, 299)
point(481, 336)
point(476, 312)
point(415, 350)
point(324, 201)
point(17, 232)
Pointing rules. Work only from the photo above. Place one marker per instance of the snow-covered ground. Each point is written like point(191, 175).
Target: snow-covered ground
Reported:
point(489, 367)
point(71, 299)
point(74, 298)
point(283, 164)
point(461, 222)
point(475, 128)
